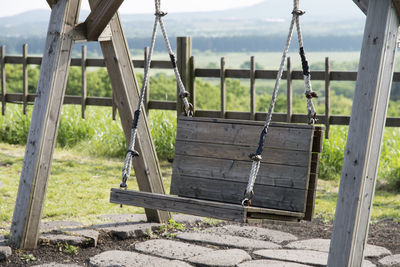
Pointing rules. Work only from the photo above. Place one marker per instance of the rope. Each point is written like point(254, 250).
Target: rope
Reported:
point(131, 153)
point(256, 157)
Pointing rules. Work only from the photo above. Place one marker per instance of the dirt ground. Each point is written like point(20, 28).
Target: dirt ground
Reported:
point(384, 233)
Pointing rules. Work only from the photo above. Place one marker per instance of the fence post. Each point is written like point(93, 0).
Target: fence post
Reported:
point(223, 88)
point(84, 84)
point(327, 97)
point(25, 78)
point(192, 87)
point(147, 95)
point(289, 97)
point(184, 52)
point(252, 88)
point(3, 79)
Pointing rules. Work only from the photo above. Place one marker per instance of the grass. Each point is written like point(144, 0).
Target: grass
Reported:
point(79, 186)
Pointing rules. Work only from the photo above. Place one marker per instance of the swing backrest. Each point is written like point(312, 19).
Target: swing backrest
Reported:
point(211, 163)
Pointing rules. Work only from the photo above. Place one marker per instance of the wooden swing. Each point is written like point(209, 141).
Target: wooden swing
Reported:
point(211, 163)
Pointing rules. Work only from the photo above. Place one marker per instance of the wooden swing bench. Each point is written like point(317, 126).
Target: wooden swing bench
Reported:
point(211, 167)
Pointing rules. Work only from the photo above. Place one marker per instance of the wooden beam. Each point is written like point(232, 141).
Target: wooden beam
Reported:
point(364, 140)
point(362, 4)
point(126, 92)
point(100, 16)
point(43, 130)
point(51, 3)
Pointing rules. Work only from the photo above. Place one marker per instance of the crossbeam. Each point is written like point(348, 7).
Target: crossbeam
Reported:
point(99, 17)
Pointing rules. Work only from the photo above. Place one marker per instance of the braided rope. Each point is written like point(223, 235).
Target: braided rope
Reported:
point(126, 170)
point(256, 157)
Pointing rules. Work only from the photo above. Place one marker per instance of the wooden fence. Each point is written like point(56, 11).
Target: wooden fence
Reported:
point(186, 64)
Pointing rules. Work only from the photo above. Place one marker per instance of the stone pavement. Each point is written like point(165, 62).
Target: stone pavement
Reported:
point(169, 245)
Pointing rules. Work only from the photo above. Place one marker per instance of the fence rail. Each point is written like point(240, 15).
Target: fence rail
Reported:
point(189, 73)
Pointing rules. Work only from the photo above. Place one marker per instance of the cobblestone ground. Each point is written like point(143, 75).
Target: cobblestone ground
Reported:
point(182, 242)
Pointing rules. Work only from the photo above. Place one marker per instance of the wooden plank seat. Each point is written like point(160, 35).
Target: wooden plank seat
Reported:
point(211, 169)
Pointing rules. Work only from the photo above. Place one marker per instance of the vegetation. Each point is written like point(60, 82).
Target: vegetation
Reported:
point(93, 149)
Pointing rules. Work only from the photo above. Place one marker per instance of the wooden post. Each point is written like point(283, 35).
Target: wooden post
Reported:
point(289, 97)
point(126, 91)
point(184, 52)
point(3, 79)
point(364, 140)
point(327, 97)
point(252, 88)
point(147, 95)
point(43, 130)
point(192, 86)
point(25, 78)
point(84, 84)
point(223, 88)
point(114, 105)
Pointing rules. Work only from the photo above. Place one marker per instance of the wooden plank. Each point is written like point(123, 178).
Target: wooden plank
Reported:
point(223, 88)
point(240, 74)
point(197, 207)
point(237, 171)
point(362, 4)
point(289, 95)
point(252, 88)
point(3, 79)
point(123, 80)
point(43, 130)
point(241, 133)
point(99, 17)
point(165, 105)
point(327, 96)
point(51, 2)
point(84, 84)
point(270, 197)
point(25, 78)
point(365, 135)
point(317, 142)
point(237, 152)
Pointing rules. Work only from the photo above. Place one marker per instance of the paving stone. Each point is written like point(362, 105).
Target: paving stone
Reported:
point(220, 258)
point(3, 241)
point(129, 230)
point(91, 236)
point(323, 245)
point(55, 264)
point(187, 219)
point(59, 238)
point(124, 217)
point(255, 233)
point(127, 258)
point(368, 264)
point(311, 257)
point(54, 225)
point(393, 260)
point(270, 263)
point(5, 252)
point(226, 240)
point(171, 249)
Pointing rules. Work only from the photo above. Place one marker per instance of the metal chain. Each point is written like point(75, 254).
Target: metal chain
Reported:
point(257, 157)
point(131, 153)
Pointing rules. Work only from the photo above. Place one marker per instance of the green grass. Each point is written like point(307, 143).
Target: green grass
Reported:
point(79, 188)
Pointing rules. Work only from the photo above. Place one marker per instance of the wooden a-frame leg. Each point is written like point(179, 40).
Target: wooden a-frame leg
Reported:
point(44, 125)
point(123, 80)
point(367, 123)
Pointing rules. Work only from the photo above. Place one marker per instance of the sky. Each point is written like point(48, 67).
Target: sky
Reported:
point(10, 8)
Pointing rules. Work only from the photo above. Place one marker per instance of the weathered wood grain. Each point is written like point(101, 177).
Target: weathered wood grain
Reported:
point(43, 130)
point(228, 192)
point(237, 152)
point(238, 171)
point(99, 17)
point(365, 135)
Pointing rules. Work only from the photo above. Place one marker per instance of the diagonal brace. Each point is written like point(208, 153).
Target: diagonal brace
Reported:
point(100, 17)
